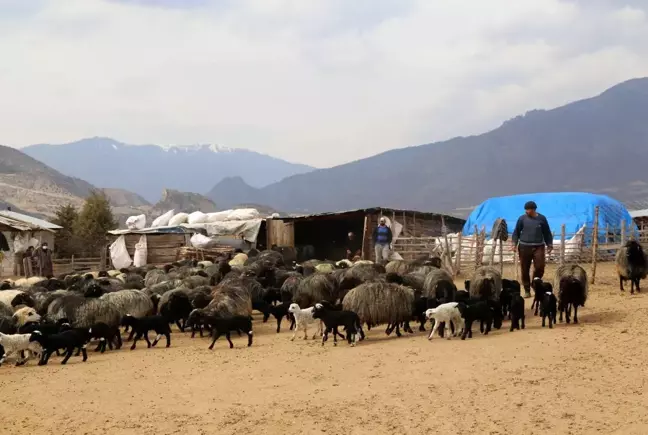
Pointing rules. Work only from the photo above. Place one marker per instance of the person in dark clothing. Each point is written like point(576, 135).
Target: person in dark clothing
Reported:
point(354, 248)
point(28, 262)
point(530, 236)
point(382, 238)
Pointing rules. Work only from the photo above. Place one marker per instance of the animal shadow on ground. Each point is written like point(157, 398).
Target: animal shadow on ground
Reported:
point(602, 317)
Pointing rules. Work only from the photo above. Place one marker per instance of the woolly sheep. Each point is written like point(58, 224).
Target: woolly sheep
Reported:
point(631, 265)
point(572, 285)
point(18, 343)
point(379, 302)
point(303, 318)
point(14, 298)
point(439, 285)
point(25, 315)
point(238, 260)
point(315, 288)
point(5, 310)
point(83, 313)
point(445, 313)
point(134, 302)
point(175, 306)
point(486, 283)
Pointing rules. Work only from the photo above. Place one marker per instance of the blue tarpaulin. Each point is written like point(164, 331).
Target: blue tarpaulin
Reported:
point(574, 209)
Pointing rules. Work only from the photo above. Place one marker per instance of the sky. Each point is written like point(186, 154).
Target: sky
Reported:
point(320, 82)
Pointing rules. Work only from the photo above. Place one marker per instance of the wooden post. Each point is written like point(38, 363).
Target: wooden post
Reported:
point(492, 254)
point(447, 245)
point(607, 235)
point(623, 232)
point(563, 237)
point(501, 256)
point(457, 268)
point(594, 245)
point(477, 237)
point(364, 237)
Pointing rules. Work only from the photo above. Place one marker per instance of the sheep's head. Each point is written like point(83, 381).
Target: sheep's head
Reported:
point(293, 308)
point(23, 299)
point(430, 312)
point(127, 320)
point(36, 336)
point(5, 285)
point(93, 291)
point(26, 315)
point(195, 316)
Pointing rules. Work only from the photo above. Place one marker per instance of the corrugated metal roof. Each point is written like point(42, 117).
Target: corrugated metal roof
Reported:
point(30, 221)
point(638, 213)
point(384, 210)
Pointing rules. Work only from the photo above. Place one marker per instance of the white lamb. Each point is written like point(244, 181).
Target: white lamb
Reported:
point(16, 343)
point(302, 319)
point(445, 313)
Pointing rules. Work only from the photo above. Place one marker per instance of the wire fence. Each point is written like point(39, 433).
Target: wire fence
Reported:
point(588, 246)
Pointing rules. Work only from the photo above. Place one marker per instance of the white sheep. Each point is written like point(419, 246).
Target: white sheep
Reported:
point(16, 343)
point(447, 313)
point(302, 319)
point(25, 315)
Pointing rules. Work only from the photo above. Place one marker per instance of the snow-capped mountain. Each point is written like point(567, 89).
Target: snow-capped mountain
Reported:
point(148, 169)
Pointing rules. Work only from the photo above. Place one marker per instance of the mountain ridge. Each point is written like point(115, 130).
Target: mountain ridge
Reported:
point(560, 149)
point(148, 169)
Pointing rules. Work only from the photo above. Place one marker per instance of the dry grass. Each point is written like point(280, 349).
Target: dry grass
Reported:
point(574, 379)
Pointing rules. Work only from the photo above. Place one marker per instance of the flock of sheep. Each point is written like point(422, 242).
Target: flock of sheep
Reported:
point(42, 316)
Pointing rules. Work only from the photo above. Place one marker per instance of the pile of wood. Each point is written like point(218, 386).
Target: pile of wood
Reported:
point(190, 253)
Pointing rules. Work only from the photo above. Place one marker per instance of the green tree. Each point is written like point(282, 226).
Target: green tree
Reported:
point(65, 240)
point(95, 220)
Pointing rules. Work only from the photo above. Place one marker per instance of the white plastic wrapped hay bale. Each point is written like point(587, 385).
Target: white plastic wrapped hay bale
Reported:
point(179, 218)
point(244, 214)
point(163, 220)
point(136, 222)
point(219, 216)
point(197, 217)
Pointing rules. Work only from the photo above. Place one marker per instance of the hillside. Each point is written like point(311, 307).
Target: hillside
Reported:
point(29, 186)
point(181, 202)
point(148, 169)
point(598, 144)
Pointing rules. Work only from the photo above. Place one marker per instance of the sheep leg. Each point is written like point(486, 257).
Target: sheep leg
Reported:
point(522, 321)
point(568, 313)
point(44, 357)
point(466, 331)
point(168, 339)
point(621, 283)
point(447, 331)
point(70, 351)
point(101, 345)
point(119, 341)
point(550, 320)
point(279, 324)
point(389, 329)
point(489, 322)
point(137, 337)
point(335, 334)
point(637, 285)
point(148, 342)
point(575, 313)
point(216, 334)
point(131, 335)
point(85, 354)
point(325, 335)
point(250, 334)
point(434, 329)
point(398, 333)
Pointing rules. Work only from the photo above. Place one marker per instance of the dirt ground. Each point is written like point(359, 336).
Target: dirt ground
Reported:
point(574, 379)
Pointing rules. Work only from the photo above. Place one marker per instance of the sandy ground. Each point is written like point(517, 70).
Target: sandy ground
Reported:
point(574, 379)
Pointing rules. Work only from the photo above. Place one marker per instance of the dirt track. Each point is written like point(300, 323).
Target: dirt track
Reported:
point(574, 379)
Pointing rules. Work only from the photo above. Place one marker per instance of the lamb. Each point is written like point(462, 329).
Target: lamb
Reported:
point(509, 288)
point(477, 310)
point(378, 302)
point(333, 319)
point(175, 306)
point(517, 312)
point(485, 284)
point(222, 326)
point(106, 335)
point(279, 312)
point(631, 264)
point(571, 281)
point(539, 289)
point(18, 344)
point(68, 340)
point(142, 325)
point(303, 318)
point(445, 313)
point(548, 308)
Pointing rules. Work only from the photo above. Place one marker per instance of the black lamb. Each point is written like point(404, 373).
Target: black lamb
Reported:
point(334, 319)
point(549, 307)
point(477, 310)
point(142, 325)
point(68, 340)
point(222, 326)
point(517, 311)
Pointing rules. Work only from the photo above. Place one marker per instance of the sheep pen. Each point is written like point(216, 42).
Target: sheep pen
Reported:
point(364, 389)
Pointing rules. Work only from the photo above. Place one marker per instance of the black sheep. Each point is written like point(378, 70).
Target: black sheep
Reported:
point(142, 325)
point(539, 289)
point(477, 310)
point(333, 319)
point(222, 326)
point(68, 340)
point(549, 308)
point(517, 312)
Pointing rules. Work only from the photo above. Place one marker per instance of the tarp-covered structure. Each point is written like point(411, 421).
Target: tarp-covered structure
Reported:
point(573, 209)
point(247, 230)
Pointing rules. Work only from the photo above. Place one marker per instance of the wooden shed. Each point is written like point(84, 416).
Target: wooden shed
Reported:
point(162, 245)
point(326, 234)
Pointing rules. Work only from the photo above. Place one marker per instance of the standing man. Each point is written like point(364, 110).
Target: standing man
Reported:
point(382, 237)
point(353, 250)
point(530, 236)
point(27, 262)
point(44, 261)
